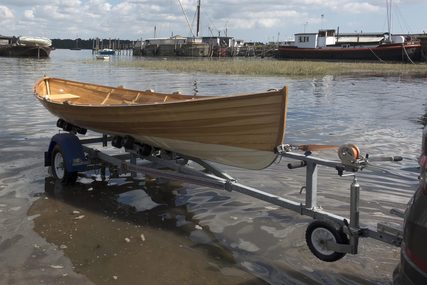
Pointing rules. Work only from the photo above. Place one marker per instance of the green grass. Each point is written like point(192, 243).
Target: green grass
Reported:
point(271, 67)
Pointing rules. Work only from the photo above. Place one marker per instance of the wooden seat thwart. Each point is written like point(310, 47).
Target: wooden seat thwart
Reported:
point(62, 97)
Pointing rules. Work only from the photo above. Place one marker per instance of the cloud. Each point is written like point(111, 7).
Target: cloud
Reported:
point(6, 13)
point(29, 14)
point(7, 18)
point(24, 3)
point(100, 6)
point(133, 19)
point(357, 8)
point(264, 19)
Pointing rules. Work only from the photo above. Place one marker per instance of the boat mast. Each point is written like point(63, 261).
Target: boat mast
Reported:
point(186, 18)
point(389, 4)
point(198, 18)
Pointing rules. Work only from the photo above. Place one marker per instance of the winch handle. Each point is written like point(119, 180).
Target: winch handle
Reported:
point(384, 158)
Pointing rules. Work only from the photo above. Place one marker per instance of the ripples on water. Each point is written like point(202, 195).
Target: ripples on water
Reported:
point(378, 114)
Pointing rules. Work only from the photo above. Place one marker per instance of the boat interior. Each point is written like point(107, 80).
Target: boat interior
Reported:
point(76, 93)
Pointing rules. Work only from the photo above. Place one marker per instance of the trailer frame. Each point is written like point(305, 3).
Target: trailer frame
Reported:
point(329, 236)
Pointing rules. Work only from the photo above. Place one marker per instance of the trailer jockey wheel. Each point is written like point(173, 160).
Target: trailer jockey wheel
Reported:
point(59, 168)
point(316, 236)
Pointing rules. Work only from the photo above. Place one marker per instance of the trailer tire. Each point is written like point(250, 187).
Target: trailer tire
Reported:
point(59, 168)
point(317, 233)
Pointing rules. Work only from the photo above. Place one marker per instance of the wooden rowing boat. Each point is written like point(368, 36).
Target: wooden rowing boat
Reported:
point(238, 130)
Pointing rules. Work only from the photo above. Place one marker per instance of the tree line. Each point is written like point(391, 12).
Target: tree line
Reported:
point(90, 43)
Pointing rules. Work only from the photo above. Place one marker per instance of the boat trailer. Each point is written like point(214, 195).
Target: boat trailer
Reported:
point(329, 236)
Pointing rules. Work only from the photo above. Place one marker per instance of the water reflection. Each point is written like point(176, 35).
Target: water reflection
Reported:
point(323, 86)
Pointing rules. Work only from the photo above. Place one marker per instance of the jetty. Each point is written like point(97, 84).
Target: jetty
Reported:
point(119, 47)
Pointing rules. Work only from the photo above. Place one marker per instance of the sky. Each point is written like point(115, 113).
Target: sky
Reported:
point(250, 20)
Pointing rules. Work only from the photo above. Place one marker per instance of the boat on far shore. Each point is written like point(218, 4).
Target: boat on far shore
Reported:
point(25, 46)
point(330, 45)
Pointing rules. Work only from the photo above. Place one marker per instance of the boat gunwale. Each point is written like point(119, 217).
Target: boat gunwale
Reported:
point(192, 98)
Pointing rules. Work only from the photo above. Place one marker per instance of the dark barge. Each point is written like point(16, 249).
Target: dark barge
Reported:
point(389, 52)
point(327, 45)
point(25, 47)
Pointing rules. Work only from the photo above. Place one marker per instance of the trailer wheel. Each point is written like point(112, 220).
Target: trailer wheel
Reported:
point(316, 235)
point(59, 169)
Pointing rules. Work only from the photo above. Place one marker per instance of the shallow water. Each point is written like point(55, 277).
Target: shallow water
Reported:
point(91, 233)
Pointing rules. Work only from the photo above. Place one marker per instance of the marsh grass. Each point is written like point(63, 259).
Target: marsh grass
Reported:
point(271, 67)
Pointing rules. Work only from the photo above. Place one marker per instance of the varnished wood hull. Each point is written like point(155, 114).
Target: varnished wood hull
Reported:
point(241, 130)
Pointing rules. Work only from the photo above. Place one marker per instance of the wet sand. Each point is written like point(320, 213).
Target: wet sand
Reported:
point(111, 243)
point(25, 256)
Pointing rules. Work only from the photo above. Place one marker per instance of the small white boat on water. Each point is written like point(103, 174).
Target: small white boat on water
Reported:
point(106, 51)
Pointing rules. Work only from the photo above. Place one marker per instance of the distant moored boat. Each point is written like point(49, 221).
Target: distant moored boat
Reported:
point(328, 45)
point(107, 51)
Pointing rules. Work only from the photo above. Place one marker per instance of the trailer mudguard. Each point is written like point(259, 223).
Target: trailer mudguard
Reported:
point(72, 150)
